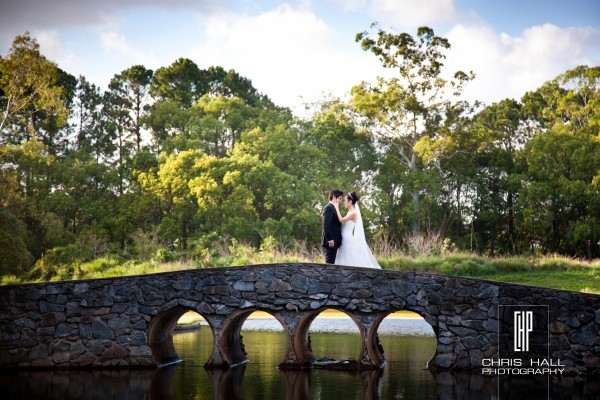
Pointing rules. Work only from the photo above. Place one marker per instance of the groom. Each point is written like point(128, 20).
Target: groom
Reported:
point(331, 238)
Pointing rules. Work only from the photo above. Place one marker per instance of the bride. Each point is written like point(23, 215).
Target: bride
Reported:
point(354, 250)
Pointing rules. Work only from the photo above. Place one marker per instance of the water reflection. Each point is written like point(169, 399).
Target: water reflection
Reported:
point(80, 384)
point(227, 384)
point(298, 385)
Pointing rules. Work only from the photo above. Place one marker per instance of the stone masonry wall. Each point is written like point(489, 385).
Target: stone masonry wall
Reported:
point(128, 321)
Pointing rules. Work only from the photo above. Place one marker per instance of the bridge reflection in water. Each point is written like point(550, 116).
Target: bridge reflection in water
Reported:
point(227, 384)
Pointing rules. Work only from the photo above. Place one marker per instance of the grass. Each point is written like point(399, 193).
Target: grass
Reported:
point(547, 271)
point(551, 271)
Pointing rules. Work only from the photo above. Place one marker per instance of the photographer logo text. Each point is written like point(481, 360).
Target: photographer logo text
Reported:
point(523, 327)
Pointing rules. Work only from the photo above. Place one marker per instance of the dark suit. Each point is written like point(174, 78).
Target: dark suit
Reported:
point(332, 230)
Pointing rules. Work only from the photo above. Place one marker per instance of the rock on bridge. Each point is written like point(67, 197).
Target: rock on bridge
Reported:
point(129, 321)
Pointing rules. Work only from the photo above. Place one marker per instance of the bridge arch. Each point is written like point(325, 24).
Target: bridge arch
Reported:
point(160, 333)
point(375, 348)
point(230, 344)
point(302, 339)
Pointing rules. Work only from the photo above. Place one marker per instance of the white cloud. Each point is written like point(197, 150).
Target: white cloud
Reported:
point(413, 13)
point(53, 47)
point(507, 67)
point(50, 42)
point(349, 5)
point(115, 42)
point(286, 52)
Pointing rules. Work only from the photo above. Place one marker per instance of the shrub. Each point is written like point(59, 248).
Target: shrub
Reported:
point(15, 258)
point(164, 255)
point(427, 244)
point(59, 262)
point(146, 243)
point(9, 280)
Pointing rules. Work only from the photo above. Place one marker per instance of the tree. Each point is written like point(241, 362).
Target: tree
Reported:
point(132, 86)
point(178, 82)
point(404, 111)
point(118, 124)
point(503, 133)
point(351, 157)
point(52, 128)
point(217, 123)
point(563, 162)
point(15, 258)
point(29, 84)
point(166, 120)
point(92, 137)
point(169, 185)
point(215, 81)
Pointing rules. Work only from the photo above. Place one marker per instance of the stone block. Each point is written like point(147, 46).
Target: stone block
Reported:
point(585, 335)
point(62, 357)
point(470, 343)
point(80, 288)
point(119, 323)
point(100, 330)
point(473, 324)
point(402, 289)
point(299, 283)
point(361, 294)
point(217, 290)
point(459, 330)
point(114, 351)
point(185, 283)
point(475, 357)
point(445, 360)
point(475, 314)
point(279, 285)
point(39, 352)
point(66, 330)
point(243, 286)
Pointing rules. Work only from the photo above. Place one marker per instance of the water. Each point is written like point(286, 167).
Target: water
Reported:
point(408, 344)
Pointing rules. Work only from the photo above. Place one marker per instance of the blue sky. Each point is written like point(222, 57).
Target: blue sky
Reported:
point(300, 50)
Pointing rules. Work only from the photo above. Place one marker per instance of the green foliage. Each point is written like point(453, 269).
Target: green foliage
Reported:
point(164, 255)
point(413, 116)
point(9, 280)
point(59, 263)
point(15, 258)
point(29, 83)
point(229, 178)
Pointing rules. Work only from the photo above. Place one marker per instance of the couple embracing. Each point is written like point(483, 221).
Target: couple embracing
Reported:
point(343, 238)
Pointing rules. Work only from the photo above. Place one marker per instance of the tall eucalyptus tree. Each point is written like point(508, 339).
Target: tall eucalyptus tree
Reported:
point(408, 111)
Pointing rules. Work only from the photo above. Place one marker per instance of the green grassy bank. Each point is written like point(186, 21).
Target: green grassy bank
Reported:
point(553, 272)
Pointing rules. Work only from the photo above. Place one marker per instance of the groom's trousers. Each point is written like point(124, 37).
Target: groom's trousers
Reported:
point(330, 253)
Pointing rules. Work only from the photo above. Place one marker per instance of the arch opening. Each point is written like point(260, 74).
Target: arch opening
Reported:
point(253, 332)
point(193, 338)
point(318, 335)
point(160, 335)
point(402, 336)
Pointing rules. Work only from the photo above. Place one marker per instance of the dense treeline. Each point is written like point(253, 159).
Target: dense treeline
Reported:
point(186, 160)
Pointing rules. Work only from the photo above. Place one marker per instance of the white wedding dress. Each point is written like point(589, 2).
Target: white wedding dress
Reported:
point(354, 250)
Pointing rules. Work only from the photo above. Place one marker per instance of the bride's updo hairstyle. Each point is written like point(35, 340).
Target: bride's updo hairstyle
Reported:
point(353, 197)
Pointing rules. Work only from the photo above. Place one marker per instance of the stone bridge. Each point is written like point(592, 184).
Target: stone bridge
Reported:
point(129, 321)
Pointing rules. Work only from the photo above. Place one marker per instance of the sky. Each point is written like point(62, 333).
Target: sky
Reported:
point(298, 52)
